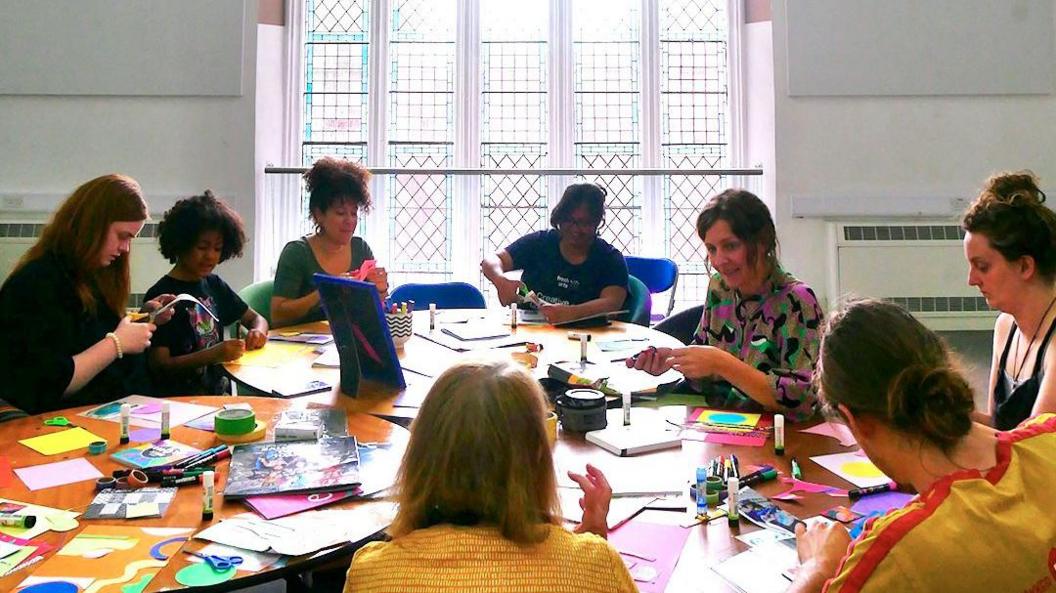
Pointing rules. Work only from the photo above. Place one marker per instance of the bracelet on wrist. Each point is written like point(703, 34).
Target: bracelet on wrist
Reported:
point(117, 343)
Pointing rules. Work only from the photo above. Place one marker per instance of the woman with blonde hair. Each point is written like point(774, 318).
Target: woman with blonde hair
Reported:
point(64, 337)
point(477, 494)
point(1010, 245)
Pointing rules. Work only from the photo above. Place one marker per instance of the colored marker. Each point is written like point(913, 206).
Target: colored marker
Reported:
point(165, 420)
point(796, 472)
point(857, 493)
point(736, 466)
point(733, 514)
point(765, 474)
point(779, 434)
point(207, 496)
point(23, 521)
point(126, 411)
point(702, 500)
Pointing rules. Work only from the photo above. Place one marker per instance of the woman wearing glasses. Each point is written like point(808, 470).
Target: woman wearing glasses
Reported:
point(573, 271)
point(758, 337)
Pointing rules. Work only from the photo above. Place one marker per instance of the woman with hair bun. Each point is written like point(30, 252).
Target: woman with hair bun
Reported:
point(983, 518)
point(337, 192)
point(1010, 245)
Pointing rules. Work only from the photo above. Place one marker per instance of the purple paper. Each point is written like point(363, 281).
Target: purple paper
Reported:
point(274, 506)
point(60, 473)
point(661, 543)
point(883, 502)
point(145, 435)
point(147, 409)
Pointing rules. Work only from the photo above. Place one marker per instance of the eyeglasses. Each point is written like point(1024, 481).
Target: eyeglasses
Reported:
point(586, 225)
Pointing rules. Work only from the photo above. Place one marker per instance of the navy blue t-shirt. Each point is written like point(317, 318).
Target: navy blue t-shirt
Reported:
point(192, 329)
point(556, 280)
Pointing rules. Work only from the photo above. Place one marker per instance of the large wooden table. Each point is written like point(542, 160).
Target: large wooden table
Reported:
point(186, 509)
point(420, 357)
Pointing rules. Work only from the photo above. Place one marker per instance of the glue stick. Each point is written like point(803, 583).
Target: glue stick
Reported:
point(513, 315)
point(702, 500)
point(126, 411)
point(583, 348)
point(207, 496)
point(732, 512)
point(165, 420)
point(432, 316)
point(626, 408)
point(779, 434)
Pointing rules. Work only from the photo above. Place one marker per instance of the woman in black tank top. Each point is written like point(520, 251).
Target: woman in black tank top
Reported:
point(1010, 245)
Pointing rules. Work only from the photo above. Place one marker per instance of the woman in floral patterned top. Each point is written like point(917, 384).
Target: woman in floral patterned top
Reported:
point(757, 341)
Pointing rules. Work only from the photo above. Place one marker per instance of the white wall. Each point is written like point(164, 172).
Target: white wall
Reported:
point(869, 148)
point(174, 146)
point(271, 56)
point(758, 63)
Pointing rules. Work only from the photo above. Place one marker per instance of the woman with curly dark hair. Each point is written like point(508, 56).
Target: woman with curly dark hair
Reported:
point(338, 190)
point(198, 234)
point(1010, 245)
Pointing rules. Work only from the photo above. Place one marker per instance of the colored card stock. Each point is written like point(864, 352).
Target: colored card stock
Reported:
point(60, 473)
point(854, 467)
point(61, 442)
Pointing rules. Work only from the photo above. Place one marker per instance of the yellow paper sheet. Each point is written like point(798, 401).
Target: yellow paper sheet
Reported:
point(48, 514)
point(8, 563)
point(61, 442)
point(142, 509)
point(272, 355)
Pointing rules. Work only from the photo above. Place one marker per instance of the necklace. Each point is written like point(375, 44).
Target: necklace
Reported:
point(1016, 370)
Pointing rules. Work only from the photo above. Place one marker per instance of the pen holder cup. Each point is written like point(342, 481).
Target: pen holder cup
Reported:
point(400, 327)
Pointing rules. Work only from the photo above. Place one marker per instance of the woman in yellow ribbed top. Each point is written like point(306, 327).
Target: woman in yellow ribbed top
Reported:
point(478, 499)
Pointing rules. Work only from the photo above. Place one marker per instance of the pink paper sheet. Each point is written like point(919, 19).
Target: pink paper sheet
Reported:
point(721, 438)
point(145, 435)
point(662, 542)
point(147, 409)
point(60, 473)
point(883, 502)
point(834, 430)
point(274, 506)
point(810, 487)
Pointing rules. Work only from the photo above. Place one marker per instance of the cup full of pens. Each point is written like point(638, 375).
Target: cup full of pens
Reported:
point(399, 316)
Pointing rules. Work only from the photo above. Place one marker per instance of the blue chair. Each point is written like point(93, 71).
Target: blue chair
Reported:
point(445, 295)
point(638, 303)
point(658, 274)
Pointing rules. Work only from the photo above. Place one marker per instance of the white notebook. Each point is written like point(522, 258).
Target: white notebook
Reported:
point(635, 438)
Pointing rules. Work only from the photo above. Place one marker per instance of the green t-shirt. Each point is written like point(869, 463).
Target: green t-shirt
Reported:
point(297, 264)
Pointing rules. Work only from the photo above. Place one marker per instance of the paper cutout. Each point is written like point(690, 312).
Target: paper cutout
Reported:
point(61, 442)
point(157, 554)
point(118, 504)
point(834, 430)
point(663, 542)
point(737, 440)
point(883, 502)
point(137, 587)
point(62, 523)
point(142, 509)
point(143, 435)
point(52, 587)
point(201, 575)
point(273, 355)
point(179, 412)
point(59, 473)
point(726, 418)
point(810, 487)
point(759, 569)
point(853, 467)
point(128, 563)
point(181, 298)
point(46, 516)
point(273, 506)
point(314, 530)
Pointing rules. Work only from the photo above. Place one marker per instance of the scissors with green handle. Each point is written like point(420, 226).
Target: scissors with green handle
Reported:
point(59, 421)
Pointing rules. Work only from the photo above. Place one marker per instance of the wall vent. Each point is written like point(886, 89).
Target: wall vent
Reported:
point(946, 232)
point(30, 230)
point(942, 304)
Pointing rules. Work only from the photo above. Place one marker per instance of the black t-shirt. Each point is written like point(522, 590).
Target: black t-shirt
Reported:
point(556, 280)
point(42, 327)
point(192, 329)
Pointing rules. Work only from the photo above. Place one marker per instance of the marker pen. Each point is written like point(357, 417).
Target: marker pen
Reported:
point(165, 420)
point(207, 496)
point(779, 434)
point(702, 500)
point(857, 493)
point(432, 316)
point(763, 475)
point(732, 512)
point(126, 411)
point(797, 473)
point(23, 521)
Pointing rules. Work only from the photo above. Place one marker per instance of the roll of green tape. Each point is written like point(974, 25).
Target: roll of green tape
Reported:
point(234, 422)
point(714, 484)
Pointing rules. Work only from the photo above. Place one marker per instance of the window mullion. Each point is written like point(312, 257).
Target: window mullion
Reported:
point(653, 243)
point(561, 103)
point(377, 227)
point(466, 240)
